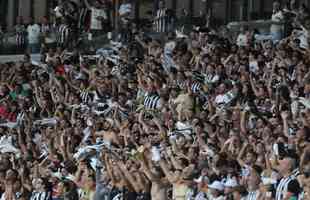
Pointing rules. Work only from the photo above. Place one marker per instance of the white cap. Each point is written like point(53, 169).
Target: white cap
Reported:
point(231, 183)
point(217, 185)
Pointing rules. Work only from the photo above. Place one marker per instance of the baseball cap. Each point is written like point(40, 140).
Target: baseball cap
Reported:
point(217, 185)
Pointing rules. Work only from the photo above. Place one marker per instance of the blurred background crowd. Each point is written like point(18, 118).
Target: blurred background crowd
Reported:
point(163, 110)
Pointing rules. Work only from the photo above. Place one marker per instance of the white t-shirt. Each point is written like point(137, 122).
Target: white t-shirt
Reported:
point(95, 23)
point(33, 33)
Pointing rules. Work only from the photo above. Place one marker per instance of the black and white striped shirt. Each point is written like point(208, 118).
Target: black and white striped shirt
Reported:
point(45, 28)
point(20, 35)
point(196, 87)
point(161, 21)
point(86, 96)
point(82, 18)
point(63, 34)
point(40, 196)
point(181, 84)
point(252, 195)
point(283, 186)
point(151, 101)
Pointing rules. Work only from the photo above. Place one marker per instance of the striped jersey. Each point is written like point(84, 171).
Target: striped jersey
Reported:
point(82, 23)
point(40, 196)
point(151, 101)
point(252, 195)
point(282, 187)
point(161, 21)
point(45, 28)
point(86, 96)
point(63, 34)
point(21, 35)
point(196, 87)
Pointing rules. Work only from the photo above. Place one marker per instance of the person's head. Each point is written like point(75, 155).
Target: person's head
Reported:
point(180, 140)
point(286, 165)
point(67, 190)
point(239, 192)
point(5, 163)
point(222, 88)
point(161, 4)
point(26, 58)
point(97, 3)
point(303, 134)
point(250, 157)
point(38, 184)
point(307, 24)
point(11, 175)
point(276, 6)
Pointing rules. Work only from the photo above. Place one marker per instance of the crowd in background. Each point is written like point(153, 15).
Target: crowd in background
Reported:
point(197, 116)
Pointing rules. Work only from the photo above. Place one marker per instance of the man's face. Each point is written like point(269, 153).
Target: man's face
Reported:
point(253, 179)
point(285, 166)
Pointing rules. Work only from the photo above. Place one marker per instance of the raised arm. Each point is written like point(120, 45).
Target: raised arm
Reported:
point(303, 158)
point(147, 171)
point(167, 172)
point(241, 153)
point(141, 121)
point(109, 168)
point(256, 92)
point(243, 123)
point(284, 116)
point(129, 177)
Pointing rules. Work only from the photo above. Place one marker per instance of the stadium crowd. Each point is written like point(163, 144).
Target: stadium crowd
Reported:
point(198, 116)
